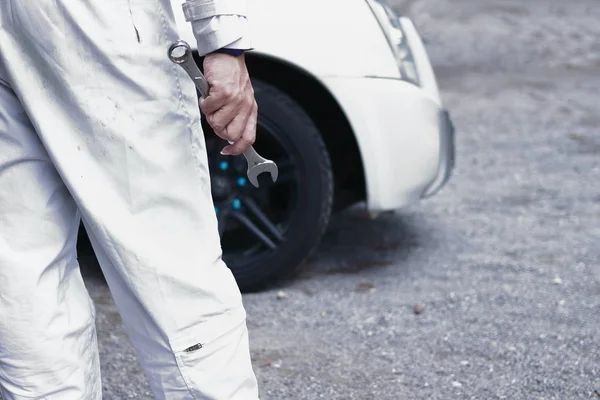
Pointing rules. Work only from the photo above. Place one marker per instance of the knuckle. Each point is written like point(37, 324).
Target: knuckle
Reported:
point(234, 135)
point(228, 93)
point(217, 122)
point(245, 140)
point(224, 134)
point(217, 127)
point(240, 99)
point(247, 108)
point(249, 139)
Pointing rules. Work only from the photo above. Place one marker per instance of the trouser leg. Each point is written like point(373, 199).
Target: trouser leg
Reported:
point(48, 344)
point(122, 125)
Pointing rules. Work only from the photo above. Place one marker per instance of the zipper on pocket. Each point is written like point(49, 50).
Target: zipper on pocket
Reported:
point(195, 347)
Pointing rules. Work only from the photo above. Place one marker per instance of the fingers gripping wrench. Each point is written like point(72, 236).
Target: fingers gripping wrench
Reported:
point(181, 54)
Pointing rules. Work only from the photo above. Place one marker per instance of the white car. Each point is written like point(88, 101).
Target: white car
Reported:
point(350, 111)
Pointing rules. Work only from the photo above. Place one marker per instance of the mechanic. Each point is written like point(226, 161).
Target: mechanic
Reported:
point(98, 125)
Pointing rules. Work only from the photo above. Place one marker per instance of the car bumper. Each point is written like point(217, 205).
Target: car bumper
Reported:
point(406, 139)
point(447, 154)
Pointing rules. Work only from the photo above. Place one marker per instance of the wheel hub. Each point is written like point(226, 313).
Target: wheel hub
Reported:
point(221, 187)
point(251, 222)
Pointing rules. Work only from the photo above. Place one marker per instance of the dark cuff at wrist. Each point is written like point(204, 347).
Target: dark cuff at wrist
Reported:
point(231, 52)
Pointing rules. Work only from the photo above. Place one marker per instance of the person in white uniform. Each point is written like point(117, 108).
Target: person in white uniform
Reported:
point(98, 125)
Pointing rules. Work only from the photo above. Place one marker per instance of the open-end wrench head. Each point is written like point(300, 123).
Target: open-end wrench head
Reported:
point(266, 166)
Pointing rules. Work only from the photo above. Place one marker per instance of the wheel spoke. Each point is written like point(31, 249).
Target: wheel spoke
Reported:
point(245, 224)
point(241, 218)
point(260, 215)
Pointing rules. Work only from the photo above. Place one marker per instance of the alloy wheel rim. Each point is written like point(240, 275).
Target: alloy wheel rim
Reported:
point(253, 222)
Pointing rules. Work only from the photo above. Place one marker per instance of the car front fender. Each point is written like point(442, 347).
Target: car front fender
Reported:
point(333, 38)
point(402, 140)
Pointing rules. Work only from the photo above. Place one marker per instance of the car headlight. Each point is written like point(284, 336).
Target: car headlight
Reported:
point(389, 20)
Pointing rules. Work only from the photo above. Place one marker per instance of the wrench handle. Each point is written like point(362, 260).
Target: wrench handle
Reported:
point(197, 77)
point(252, 157)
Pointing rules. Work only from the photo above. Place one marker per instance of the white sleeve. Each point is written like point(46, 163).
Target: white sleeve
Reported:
point(218, 23)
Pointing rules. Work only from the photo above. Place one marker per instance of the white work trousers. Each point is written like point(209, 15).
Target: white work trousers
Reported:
point(96, 124)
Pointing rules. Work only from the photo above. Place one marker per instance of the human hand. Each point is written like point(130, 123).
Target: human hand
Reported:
point(230, 107)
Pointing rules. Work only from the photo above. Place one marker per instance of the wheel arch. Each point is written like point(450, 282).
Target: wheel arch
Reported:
point(328, 116)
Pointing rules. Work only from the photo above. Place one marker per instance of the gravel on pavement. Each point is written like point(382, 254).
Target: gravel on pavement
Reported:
point(489, 290)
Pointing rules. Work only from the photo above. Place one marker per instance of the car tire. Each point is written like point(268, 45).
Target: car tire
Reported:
point(304, 161)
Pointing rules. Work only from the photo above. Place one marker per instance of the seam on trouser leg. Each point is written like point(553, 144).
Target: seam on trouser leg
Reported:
point(227, 329)
point(192, 123)
point(174, 66)
point(182, 104)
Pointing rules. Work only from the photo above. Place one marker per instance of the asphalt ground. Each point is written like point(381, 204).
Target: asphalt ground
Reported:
point(489, 290)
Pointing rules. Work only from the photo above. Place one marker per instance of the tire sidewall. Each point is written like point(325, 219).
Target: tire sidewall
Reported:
point(310, 216)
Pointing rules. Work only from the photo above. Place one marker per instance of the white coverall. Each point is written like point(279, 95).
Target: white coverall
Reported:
point(97, 124)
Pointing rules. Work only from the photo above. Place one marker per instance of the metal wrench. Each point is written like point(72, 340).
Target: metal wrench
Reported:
point(180, 53)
